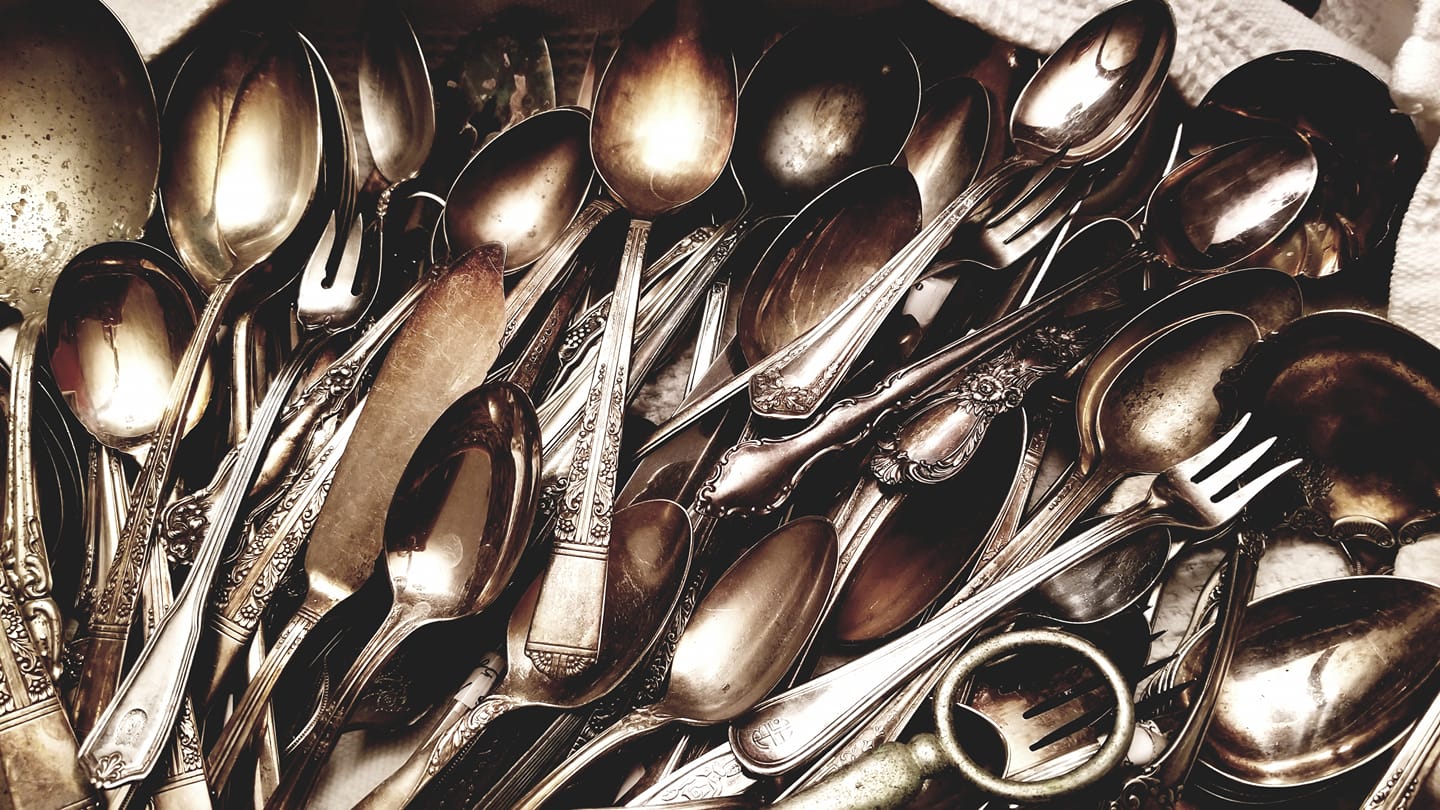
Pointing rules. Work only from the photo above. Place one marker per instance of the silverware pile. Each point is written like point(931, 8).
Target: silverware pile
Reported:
point(852, 471)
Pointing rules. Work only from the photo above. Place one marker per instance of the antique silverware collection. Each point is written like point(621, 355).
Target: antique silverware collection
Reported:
point(831, 431)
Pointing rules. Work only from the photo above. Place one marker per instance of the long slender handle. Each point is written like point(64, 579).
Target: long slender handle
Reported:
point(806, 372)
point(636, 724)
point(797, 725)
point(1159, 784)
point(237, 730)
point(434, 754)
point(266, 554)
point(127, 741)
point(115, 609)
point(565, 633)
point(756, 477)
point(303, 769)
point(26, 561)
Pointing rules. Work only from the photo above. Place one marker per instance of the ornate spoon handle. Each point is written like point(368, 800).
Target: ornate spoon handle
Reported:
point(756, 477)
point(25, 559)
point(127, 740)
point(805, 373)
point(115, 609)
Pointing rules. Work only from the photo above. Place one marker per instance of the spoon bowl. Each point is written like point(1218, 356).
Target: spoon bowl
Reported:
point(456, 527)
point(1221, 208)
point(826, 252)
point(950, 141)
point(1326, 677)
point(1353, 392)
point(117, 326)
point(522, 188)
point(396, 104)
point(650, 555)
point(1083, 104)
point(743, 637)
point(825, 101)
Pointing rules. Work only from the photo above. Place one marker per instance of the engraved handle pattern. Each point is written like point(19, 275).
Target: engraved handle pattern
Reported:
point(115, 609)
point(798, 725)
point(238, 729)
point(808, 370)
point(943, 433)
point(636, 724)
point(1397, 788)
point(25, 559)
point(714, 774)
point(565, 633)
point(127, 741)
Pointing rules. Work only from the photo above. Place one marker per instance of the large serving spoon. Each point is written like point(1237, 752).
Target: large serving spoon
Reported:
point(116, 329)
point(225, 218)
point(662, 130)
point(79, 154)
point(1082, 104)
point(459, 520)
point(1326, 677)
point(741, 640)
point(652, 552)
point(1187, 225)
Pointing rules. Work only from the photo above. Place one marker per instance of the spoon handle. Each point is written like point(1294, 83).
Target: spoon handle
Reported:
point(804, 374)
point(115, 609)
point(711, 775)
point(564, 635)
point(126, 742)
point(757, 476)
point(400, 787)
point(303, 768)
point(800, 724)
point(636, 724)
point(547, 270)
point(266, 554)
point(236, 733)
point(1400, 783)
point(26, 562)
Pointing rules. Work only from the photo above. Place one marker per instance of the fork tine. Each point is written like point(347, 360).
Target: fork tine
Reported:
point(1042, 173)
point(347, 264)
point(1041, 212)
point(1192, 466)
point(1248, 492)
point(1232, 470)
point(317, 265)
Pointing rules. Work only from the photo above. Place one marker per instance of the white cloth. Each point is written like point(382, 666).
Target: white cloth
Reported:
point(1397, 40)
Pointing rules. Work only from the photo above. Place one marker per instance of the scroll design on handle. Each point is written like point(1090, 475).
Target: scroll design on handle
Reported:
point(24, 678)
point(454, 741)
point(25, 559)
point(994, 386)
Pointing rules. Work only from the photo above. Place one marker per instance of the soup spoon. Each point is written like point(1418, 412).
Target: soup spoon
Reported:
point(661, 134)
point(456, 527)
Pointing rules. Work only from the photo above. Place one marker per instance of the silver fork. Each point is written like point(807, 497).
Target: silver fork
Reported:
point(800, 724)
point(132, 731)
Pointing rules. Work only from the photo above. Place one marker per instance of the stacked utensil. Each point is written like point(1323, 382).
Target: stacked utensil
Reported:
point(949, 399)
